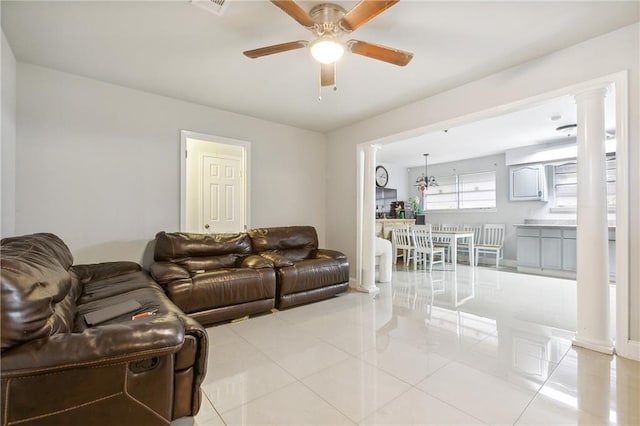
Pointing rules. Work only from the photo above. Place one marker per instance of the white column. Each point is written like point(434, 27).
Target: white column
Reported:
point(592, 232)
point(368, 266)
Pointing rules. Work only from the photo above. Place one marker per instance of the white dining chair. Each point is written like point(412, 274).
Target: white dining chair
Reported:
point(491, 242)
point(463, 247)
point(445, 243)
point(424, 248)
point(402, 245)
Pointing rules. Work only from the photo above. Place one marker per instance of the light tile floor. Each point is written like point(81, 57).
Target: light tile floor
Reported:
point(476, 346)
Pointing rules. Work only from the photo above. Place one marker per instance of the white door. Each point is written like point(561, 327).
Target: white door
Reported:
point(215, 186)
point(221, 193)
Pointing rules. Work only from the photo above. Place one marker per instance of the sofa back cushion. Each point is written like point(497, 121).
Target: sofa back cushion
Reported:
point(38, 291)
point(294, 242)
point(197, 252)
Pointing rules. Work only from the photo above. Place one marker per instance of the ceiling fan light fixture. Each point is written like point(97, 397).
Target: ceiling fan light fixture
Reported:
point(327, 50)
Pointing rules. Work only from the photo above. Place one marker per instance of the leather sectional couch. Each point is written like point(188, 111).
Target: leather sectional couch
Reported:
point(213, 277)
point(56, 369)
point(217, 277)
point(304, 273)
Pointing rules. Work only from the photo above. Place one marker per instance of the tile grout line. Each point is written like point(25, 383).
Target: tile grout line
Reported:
point(535, 395)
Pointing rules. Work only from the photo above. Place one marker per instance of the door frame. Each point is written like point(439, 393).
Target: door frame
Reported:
point(188, 134)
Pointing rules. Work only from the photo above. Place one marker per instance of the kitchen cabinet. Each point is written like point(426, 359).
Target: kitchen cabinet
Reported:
point(528, 248)
point(551, 250)
point(569, 249)
point(527, 183)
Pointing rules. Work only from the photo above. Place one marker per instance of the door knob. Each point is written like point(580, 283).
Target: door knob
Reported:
point(206, 226)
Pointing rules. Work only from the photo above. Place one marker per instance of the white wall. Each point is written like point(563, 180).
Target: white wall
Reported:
point(8, 151)
point(98, 164)
point(598, 57)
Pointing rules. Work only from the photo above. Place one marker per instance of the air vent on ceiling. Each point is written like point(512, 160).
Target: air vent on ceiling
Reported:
point(214, 6)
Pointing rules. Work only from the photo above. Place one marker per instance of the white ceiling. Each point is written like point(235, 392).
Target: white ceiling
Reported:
point(176, 49)
point(529, 126)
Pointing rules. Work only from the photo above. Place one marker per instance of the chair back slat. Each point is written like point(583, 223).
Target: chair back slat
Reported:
point(493, 234)
point(422, 238)
point(401, 237)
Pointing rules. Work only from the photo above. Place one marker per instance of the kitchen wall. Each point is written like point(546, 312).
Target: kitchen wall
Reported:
point(613, 52)
point(397, 179)
point(8, 148)
point(98, 164)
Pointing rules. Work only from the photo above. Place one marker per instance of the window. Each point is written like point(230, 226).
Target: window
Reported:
point(477, 190)
point(464, 191)
point(566, 184)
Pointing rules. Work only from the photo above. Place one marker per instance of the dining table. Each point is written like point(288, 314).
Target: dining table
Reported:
point(451, 238)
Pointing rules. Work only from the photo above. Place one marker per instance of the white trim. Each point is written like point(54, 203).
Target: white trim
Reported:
point(602, 347)
point(187, 134)
point(624, 346)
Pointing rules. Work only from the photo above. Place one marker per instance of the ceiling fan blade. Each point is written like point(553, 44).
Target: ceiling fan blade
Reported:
point(276, 48)
point(381, 53)
point(327, 74)
point(292, 9)
point(363, 12)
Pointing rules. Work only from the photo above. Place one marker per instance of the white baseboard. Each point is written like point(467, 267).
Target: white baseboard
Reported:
point(629, 349)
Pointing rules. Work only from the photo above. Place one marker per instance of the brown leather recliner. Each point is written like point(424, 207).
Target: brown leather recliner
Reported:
point(58, 370)
point(213, 277)
point(305, 273)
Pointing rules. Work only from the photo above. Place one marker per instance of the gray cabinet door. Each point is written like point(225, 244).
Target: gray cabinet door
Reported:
point(527, 183)
point(569, 254)
point(528, 251)
point(551, 253)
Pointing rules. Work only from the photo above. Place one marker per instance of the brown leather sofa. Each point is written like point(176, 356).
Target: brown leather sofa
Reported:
point(305, 273)
point(58, 370)
point(218, 277)
point(213, 277)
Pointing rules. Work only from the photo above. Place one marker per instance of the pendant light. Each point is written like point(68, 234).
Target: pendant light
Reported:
point(424, 181)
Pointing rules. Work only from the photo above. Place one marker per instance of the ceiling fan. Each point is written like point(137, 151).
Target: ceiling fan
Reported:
point(329, 22)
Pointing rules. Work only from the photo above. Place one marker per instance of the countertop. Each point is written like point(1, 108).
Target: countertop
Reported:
point(550, 225)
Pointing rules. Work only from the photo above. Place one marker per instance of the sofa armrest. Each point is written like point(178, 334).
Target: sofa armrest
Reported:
point(102, 271)
point(101, 345)
point(276, 259)
point(165, 272)
point(195, 329)
point(256, 262)
point(328, 254)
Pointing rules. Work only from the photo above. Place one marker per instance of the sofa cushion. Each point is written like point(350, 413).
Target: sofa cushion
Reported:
point(202, 252)
point(293, 242)
point(38, 291)
point(223, 287)
point(312, 274)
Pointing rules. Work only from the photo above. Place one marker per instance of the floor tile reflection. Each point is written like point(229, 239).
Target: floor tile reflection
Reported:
point(472, 346)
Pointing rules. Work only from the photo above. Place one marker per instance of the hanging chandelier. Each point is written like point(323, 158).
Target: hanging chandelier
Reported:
point(424, 181)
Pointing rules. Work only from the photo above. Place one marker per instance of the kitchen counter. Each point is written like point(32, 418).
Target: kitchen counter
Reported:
point(551, 225)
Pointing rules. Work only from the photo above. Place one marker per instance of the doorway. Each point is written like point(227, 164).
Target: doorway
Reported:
point(214, 184)
point(366, 216)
